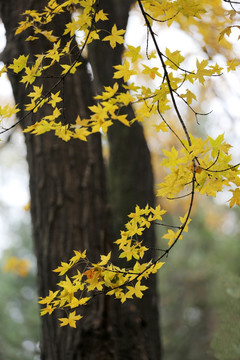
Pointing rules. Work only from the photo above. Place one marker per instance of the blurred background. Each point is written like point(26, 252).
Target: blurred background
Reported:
point(200, 284)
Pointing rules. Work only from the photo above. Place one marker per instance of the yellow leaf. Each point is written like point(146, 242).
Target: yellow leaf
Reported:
point(48, 299)
point(105, 259)
point(56, 113)
point(174, 59)
point(115, 37)
point(63, 268)
point(235, 200)
point(123, 71)
point(55, 98)
point(19, 64)
point(232, 64)
point(161, 127)
point(101, 15)
point(71, 320)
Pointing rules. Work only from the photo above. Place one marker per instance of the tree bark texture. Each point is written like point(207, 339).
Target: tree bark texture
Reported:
point(131, 182)
point(69, 203)
point(68, 198)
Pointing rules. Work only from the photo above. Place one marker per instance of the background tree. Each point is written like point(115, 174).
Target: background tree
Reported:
point(69, 207)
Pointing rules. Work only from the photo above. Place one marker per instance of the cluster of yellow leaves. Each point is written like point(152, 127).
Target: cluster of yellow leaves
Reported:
point(7, 111)
point(107, 109)
point(169, 11)
point(17, 265)
point(91, 278)
point(206, 163)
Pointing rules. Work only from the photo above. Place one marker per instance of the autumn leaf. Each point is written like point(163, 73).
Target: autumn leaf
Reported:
point(137, 290)
point(115, 37)
point(71, 320)
point(232, 64)
point(63, 268)
point(235, 200)
point(55, 98)
point(123, 71)
point(48, 299)
point(19, 64)
point(105, 259)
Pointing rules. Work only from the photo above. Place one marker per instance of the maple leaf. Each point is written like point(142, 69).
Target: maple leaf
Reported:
point(122, 119)
point(77, 279)
point(152, 72)
point(8, 111)
point(94, 278)
point(48, 299)
point(125, 98)
point(40, 127)
point(54, 53)
point(202, 71)
point(183, 220)
point(232, 64)
point(63, 268)
point(137, 290)
point(70, 68)
point(115, 37)
point(227, 31)
point(235, 198)
point(48, 35)
point(109, 92)
point(78, 302)
point(81, 133)
point(71, 320)
point(133, 53)
point(219, 145)
point(161, 127)
point(23, 25)
point(56, 113)
point(89, 273)
point(30, 76)
point(123, 71)
point(19, 64)
point(172, 157)
point(55, 98)
point(101, 15)
point(174, 59)
point(190, 96)
point(47, 310)
point(78, 255)
point(105, 259)
point(156, 213)
point(63, 132)
point(36, 94)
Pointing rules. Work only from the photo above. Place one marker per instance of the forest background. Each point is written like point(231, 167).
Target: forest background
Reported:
point(198, 300)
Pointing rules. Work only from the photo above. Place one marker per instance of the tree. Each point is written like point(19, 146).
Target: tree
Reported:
point(193, 165)
point(69, 211)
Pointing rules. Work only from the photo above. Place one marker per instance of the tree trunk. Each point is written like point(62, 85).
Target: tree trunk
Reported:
point(130, 182)
point(69, 211)
point(68, 198)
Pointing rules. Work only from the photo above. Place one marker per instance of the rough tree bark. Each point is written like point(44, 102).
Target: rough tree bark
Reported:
point(69, 210)
point(130, 182)
point(68, 198)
